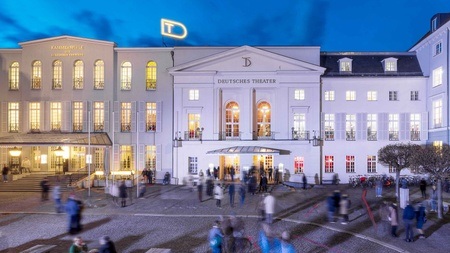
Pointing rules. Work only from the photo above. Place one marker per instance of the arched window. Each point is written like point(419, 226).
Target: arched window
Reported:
point(263, 120)
point(36, 74)
point(232, 120)
point(78, 74)
point(14, 76)
point(57, 75)
point(150, 76)
point(125, 76)
point(99, 75)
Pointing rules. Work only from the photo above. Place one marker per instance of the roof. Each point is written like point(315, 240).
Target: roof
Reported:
point(76, 139)
point(248, 150)
point(370, 64)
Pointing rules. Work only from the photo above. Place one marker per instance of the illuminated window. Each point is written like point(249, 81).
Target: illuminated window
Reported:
point(299, 94)
point(390, 65)
point(99, 75)
point(437, 76)
point(14, 74)
point(194, 131)
point(125, 76)
point(329, 127)
point(13, 117)
point(36, 74)
point(232, 120)
point(125, 117)
point(35, 116)
point(350, 95)
point(299, 129)
point(57, 75)
point(126, 157)
point(329, 164)
point(371, 127)
point(150, 157)
point(345, 65)
point(78, 75)
point(437, 113)
point(371, 96)
point(371, 164)
point(414, 95)
point(194, 94)
point(414, 120)
point(99, 159)
point(99, 116)
point(299, 164)
point(393, 127)
point(151, 117)
point(329, 95)
point(438, 48)
point(55, 116)
point(150, 76)
point(77, 113)
point(263, 120)
point(350, 127)
point(350, 163)
point(437, 144)
point(193, 165)
point(393, 96)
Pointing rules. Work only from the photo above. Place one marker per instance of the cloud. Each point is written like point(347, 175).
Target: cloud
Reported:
point(99, 25)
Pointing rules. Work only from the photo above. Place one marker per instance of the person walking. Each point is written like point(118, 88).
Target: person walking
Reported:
point(232, 173)
point(123, 194)
point(384, 217)
point(337, 200)
point(106, 245)
point(215, 238)
point(270, 173)
point(73, 213)
point(5, 172)
point(45, 188)
point(269, 207)
point(379, 187)
point(305, 181)
point(286, 246)
point(263, 183)
point(218, 195)
point(242, 193)
point(331, 208)
point(423, 188)
point(433, 199)
point(78, 246)
point(57, 198)
point(26, 165)
point(200, 189)
point(344, 205)
point(393, 217)
point(408, 216)
point(420, 219)
point(231, 192)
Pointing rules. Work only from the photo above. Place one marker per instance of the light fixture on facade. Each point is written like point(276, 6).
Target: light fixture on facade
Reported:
point(15, 152)
point(59, 151)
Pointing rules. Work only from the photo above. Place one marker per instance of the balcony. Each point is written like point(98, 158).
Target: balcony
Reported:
point(98, 127)
point(372, 135)
point(266, 135)
point(55, 126)
point(57, 84)
point(150, 84)
point(329, 135)
point(150, 126)
point(300, 135)
point(36, 83)
point(125, 127)
point(13, 127)
point(193, 135)
point(229, 135)
point(78, 83)
point(99, 85)
point(415, 135)
point(393, 135)
point(13, 85)
point(35, 127)
point(125, 85)
point(77, 127)
point(350, 135)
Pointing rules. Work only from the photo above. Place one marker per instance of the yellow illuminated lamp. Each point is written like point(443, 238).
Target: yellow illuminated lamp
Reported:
point(59, 151)
point(15, 152)
point(121, 173)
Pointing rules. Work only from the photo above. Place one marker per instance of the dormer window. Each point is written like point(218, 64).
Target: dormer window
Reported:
point(390, 64)
point(434, 24)
point(345, 65)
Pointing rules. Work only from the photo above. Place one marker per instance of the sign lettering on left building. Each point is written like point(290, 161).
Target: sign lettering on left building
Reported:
point(67, 50)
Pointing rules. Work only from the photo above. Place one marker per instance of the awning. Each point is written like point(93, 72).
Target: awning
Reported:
point(256, 150)
point(56, 139)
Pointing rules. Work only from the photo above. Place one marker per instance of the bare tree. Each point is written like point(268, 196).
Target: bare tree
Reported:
point(434, 161)
point(398, 156)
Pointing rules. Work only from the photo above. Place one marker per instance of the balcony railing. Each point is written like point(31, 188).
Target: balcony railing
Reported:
point(193, 135)
point(99, 84)
point(393, 135)
point(57, 84)
point(415, 135)
point(98, 127)
point(77, 127)
point(125, 85)
point(229, 135)
point(329, 135)
point(125, 127)
point(264, 136)
point(301, 135)
point(350, 135)
point(78, 83)
point(55, 126)
point(13, 127)
point(150, 84)
point(372, 135)
point(13, 85)
point(150, 126)
point(35, 127)
point(36, 83)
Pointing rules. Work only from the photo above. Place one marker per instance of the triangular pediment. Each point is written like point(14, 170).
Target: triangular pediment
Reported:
point(66, 39)
point(245, 58)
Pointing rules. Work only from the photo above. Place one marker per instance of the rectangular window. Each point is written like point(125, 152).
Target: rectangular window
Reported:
point(299, 94)
point(390, 66)
point(392, 169)
point(329, 164)
point(415, 126)
point(438, 48)
point(350, 127)
point(414, 95)
point(55, 116)
point(299, 163)
point(329, 95)
point(350, 163)
point(437, 76)
point(393, 127)
point(99, 116)
point(193, 165)
point(150, 157)
point(371, 164)
point(150, 117)
point(345, 66)
point(437, 113)
point(125, 125)
point(194, 131)
point(393, 96)
point(13, 117)
point(437, 144)
point(371, 127)
point(299, 129)
point(35, 116)
point(329, 127)
point(371, 96)
point(350, 95)
point(194, 95)
point(126, 157)
point(77, 114)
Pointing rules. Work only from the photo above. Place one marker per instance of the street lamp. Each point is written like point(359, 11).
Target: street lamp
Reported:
point(15, 152)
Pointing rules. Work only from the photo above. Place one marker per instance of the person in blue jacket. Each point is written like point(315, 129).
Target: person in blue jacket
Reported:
point(408, 216)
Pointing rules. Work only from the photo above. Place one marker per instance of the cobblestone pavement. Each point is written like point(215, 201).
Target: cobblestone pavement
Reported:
point(172, 217)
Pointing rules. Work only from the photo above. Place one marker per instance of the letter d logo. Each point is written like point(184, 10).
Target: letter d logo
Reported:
point(172, 29)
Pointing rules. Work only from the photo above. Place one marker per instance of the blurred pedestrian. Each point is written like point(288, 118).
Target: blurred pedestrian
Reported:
point(384, 217)
point(286, 246)
point(5, 172)
point(269, 207)
point(423, 187)
point(200, 189)
point(337, 200)
point(331, 208)
point(305, 181)
point(393, 217)
point(106, 245)
point(73, 213)
point(261, 208)
point(242, 194)
point(45, 188)
point(433, 198)
point(232, 173)
point(420, 219)
point(215, 238)
point(231, 192)
point(57, 198)
point(270, 172)
point(267, 241)
point(379, 187)
point(408, 217)
point(142, 188)
point(123, 194)
point(263, 183)
point(26, 165)
point(78, 246)
point(344, 206)
point(218, 195)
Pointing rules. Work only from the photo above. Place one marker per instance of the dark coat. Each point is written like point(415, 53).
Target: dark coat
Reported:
point(123, 191)
point(108, 247)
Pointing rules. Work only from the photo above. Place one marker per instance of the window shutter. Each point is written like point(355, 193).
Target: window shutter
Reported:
point(361, 126)
point(87, 105)
point(158, 157)
point(4, 117)
point(339, 126)
point(404, 126)
point(25, 108)
point(383, 126)
point(141, 157)
point(322, 120)
point(424, 126)
point(45, 116)
point(67, 116)
point(142, 118)
point(116, 116)
point(106, 116)
point(133, 116)
point(159, 116)
point(116, 158)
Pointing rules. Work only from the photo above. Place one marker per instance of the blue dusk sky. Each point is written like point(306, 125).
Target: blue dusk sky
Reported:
point(334, 25)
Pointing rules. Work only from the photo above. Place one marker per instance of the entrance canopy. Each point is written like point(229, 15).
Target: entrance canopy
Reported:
point(56, 139)
point(250, 150)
